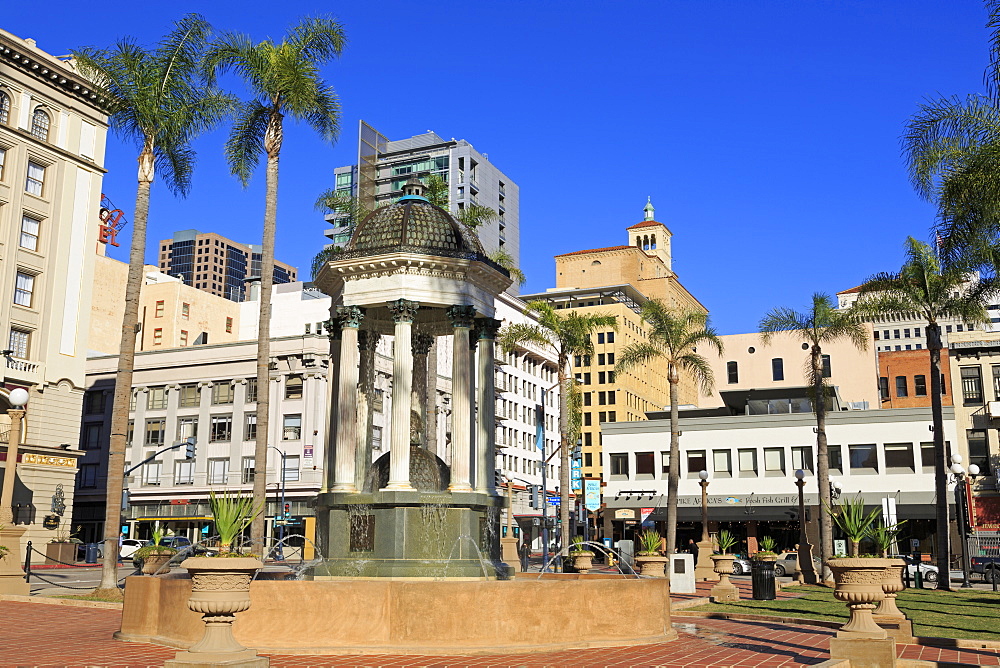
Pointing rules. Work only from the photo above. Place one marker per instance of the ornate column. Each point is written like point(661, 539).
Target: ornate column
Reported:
point(11, 573)
point(404, 312)
point(347, 405)
point(486, 398)
point(473, 404)
point(16, 416)
point(421, 347)
point(367, 343)
point(461, 405)
point(332, 372)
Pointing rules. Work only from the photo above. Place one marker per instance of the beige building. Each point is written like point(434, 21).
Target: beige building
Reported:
point(171, 314)
point(616, 281)
point(52, 136)
point(748, 364)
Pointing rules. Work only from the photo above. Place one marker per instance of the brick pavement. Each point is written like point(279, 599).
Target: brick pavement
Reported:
point(50, 635)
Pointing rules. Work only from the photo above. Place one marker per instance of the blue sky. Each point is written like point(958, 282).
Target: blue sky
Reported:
point(766, 132)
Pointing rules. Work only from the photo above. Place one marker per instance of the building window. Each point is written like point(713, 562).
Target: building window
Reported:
point(93, 403)
point(155, 431)
point(665, 462)
point(836, 458)
point(91, 439)
point(777, 369)
point(722, 465)
point(972, 385)
point(189, 397)
point(159, 309)
point(733, 372)
point(87, 477)
point(291, 428)
point(29, 233)
point(3, 158)
point(611, 337)
point(249, 426)
point(24, 288)
point(774, 461)
point(290, 468)
point(251, 392)
point(696, 462)
point(222, 429)
point(979, 452)
point(151, 473)
point(899, 458)
point(187, 427)
point(645, 464)
point(158, 336)
point(184, 472)
point(586, 420)
point(185, 311)
point(748, 463)
point(600, 337)
point(4, 108)
point(293, 387)
point(40, 125)
point(229, 325)
point(864, 458)
point(18, 344)
point(248, 470)
point(827, 369)
point(612, 416)
point(156, 398)
point(802, 458)
point(218, 471)
point(920, 386)
point(611, 359)
point(222, 393)
point(883, 388)
point(183, 338)
point(36, 179)
point(901, 386)
point(618, 462)
point(587, 398)
point(996, 383)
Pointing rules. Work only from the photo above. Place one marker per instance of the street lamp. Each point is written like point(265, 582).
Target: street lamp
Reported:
point(963, 479)
point(11, 574)
point(807, 572)
point(836, 489)
point(281, 527)
point(704, 570)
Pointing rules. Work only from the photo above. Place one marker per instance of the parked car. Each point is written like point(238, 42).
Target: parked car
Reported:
point(178, 543)
point(741, 566)
point(129, 546)
point(988, 567)
point(787, 563)
point(929, 572)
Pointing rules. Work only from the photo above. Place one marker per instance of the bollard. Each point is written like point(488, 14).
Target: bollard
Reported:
point(906, 577)
point(27, 563)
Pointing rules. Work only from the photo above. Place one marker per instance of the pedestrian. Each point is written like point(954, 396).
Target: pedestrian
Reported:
point(524, 551)
point(121, 541)
point(692, 547)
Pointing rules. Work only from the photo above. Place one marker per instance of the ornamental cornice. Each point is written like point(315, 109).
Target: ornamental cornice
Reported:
point(24, 59)
point(459, 269)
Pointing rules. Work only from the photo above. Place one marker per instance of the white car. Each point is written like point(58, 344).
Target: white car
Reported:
point(929, 572)
point(129, 546)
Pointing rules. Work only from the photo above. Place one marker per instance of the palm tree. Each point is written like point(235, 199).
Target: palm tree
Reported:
point(565, 335)
point(952, 149)
point(925, 288)
point(284, 80)
point(672, 337)
point(157, 102)
point(820, 325)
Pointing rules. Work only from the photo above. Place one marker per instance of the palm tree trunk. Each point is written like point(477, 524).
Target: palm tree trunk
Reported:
point(674, 474)
point(940, 461)
point(564, 445)
point(123, 377)
point(272, 143)
point(822, 461)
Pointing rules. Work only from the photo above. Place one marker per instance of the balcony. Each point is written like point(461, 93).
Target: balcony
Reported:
point(23, 370)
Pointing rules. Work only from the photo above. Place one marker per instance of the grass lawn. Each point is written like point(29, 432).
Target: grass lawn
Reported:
point(109, 597)
point(960, 614)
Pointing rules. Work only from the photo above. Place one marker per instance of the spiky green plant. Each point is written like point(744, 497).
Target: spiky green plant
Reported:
point(726, 541)
point(851, 518)
point(767, 545)
point(885, 536)
point(577, 547)
point(232, 513)
point(650, 540)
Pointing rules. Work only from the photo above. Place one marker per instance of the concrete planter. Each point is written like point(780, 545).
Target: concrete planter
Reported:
point(60, 552)
point(220, 587)
point(582, 561)
point(724, 590)
point(651, 565)
point(887, 615)
point(859, 585)
point(154, 561)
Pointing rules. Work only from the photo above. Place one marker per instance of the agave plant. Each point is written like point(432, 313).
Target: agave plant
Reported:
point(767, 546)
point(850, 517)
point(649, 540)
point(232, 514)
point(577, 547)
point(885, 536)
point(726, 541)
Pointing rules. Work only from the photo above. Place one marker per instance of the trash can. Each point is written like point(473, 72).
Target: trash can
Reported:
point(762, 576)
point(90, 551)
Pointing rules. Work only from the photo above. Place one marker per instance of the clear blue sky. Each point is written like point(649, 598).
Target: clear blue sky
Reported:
point(766, 132)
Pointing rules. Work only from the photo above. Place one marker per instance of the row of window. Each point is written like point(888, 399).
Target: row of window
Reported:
point(777, 369)
point(220, 430)
point(903, 388)
point(603, 377)
point(602, 359)
point(189, 395)
point(41, 122)
point(972, 384)
point(184, 472)
point(34, 182)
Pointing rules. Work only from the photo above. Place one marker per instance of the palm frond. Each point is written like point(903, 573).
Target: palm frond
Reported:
point(506, 260)
point(514, 335)
point(245, 144)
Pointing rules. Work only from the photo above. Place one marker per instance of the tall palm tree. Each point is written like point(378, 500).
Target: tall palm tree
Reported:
point(157, 102)
point(565, 334)
point(820, 325)
point(952, 149)
point(925, 288)
point(284, 79)
point(672, 338)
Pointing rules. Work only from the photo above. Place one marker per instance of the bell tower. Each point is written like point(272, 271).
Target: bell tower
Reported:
point(650, 236)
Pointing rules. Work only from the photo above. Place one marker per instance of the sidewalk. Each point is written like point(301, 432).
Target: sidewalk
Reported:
point(84, 639)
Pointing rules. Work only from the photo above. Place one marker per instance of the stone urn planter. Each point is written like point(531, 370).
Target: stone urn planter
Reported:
point(582, 561)
point(651, 565)
point(859, 585)
point(887, 615)
point(156, 560)
point(724, 590)
point(220, 588)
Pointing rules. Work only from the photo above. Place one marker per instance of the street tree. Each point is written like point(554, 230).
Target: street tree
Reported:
point(157, 101)
point(565, 334)
point(672, 339)
point(284, 80)
point(925, 288)
point(822, 324)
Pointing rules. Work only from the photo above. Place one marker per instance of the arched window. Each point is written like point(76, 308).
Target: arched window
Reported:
point(645, 243)
point(638, 242)
point(652, 241)
point(595, 262)
point(40, 125)
point(4, 108)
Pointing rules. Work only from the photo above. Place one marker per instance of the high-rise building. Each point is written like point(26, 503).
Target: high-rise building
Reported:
point(384, 166)
point(215, 264)
point(52, 136)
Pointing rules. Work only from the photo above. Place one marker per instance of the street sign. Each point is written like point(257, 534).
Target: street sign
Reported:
point(592, 494)
point(553, 500)
point(914, 545)
point(576, 474)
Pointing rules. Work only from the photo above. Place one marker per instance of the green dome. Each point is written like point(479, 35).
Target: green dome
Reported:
point(412, 225)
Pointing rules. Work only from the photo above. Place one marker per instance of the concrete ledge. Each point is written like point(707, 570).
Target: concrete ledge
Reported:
point(413, 617)
point(72, 603)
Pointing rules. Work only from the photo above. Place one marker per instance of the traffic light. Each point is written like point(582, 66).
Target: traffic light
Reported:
point(288, 510)
point(534, 503)
point(189, 448)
